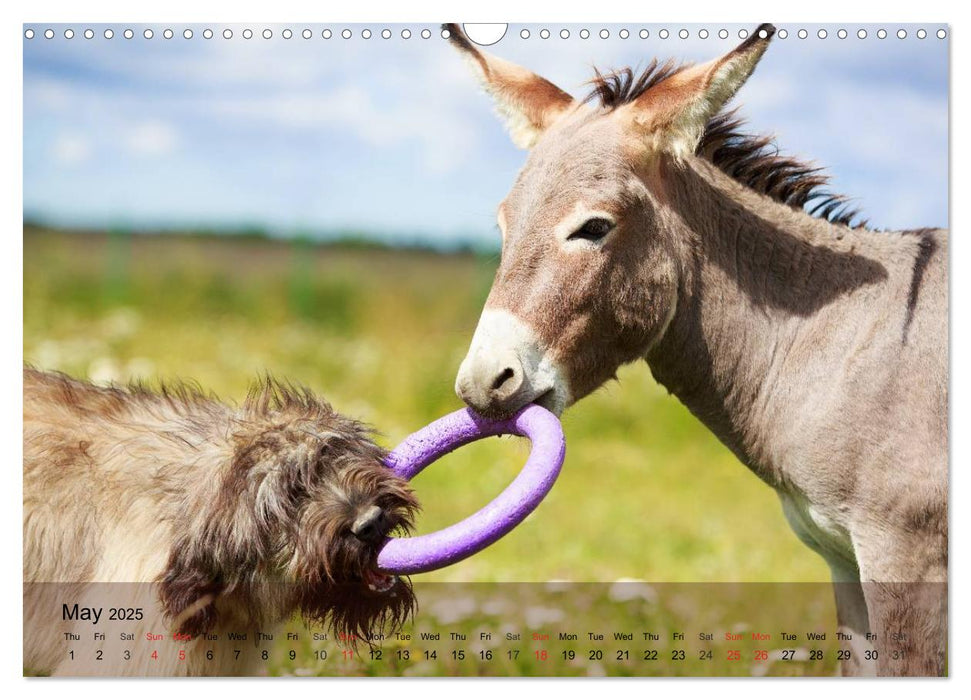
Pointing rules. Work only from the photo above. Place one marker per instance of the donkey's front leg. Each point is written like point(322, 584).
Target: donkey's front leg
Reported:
point(905, 583)
point(852, 617)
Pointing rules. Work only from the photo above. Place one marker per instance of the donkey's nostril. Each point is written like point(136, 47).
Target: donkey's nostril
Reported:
point(489, 382)
point(368, 525)
point(504, 376)
point(506, 383)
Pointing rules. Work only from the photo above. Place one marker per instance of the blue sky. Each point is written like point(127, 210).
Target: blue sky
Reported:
point(393, 138)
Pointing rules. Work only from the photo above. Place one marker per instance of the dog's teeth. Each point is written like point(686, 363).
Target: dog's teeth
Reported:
point(381, 583)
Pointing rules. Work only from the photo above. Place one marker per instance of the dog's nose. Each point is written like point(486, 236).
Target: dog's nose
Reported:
point(491, 382)
point(369, 525)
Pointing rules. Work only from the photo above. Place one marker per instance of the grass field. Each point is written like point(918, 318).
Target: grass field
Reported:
point(646, 491)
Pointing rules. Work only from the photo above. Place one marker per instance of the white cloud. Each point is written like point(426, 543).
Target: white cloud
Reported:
point(377, 120)
point(856, 108)
point(419, 99)
point(151, 138)
point(71, 149)
point(52, 95)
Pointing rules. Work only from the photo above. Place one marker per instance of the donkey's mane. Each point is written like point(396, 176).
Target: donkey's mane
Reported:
point(620, 87)
point(750, 159)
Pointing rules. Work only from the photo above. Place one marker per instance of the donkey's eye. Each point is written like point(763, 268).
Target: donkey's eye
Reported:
point(592, 230)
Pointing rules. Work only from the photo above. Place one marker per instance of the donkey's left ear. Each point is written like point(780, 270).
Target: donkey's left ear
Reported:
point(677, 110)
point(528, 103)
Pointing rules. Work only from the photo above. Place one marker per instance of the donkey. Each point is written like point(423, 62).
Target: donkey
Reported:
point(646, 225)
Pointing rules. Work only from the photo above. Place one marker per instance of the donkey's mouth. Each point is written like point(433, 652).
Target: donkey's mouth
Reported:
point(550, 401)
point(547, 399)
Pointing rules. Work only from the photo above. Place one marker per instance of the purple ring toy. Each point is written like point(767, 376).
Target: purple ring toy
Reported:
point(413, 555)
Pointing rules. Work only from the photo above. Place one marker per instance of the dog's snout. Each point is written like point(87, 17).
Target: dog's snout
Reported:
point(369, 525)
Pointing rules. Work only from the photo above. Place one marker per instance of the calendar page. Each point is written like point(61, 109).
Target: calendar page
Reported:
point(503, 350)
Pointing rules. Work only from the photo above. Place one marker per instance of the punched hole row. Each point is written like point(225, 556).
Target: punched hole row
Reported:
point(69, 33)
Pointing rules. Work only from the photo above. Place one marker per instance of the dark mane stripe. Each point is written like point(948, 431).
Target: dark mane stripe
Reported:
point(621, 87)
point(756, 162)
point(753, 160)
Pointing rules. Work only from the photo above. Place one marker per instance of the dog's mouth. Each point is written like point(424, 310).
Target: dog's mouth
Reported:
point(379, 581)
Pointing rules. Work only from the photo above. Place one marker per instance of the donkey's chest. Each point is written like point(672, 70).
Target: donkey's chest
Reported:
point(818, 527)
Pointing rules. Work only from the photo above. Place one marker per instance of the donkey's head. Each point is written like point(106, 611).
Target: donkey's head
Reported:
point(589, 274)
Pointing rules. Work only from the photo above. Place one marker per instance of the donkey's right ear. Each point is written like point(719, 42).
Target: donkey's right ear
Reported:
point(528, 103)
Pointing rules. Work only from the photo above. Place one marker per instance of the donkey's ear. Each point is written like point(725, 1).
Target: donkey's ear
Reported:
point(528, 103)
point(676, 110)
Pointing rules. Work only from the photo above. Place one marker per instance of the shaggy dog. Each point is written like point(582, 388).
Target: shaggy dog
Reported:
point(181, 516)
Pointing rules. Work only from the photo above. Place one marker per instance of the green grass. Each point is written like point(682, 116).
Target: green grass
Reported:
point(586, 630)
point(646, 492)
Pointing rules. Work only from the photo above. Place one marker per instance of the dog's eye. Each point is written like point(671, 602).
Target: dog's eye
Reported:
point(592, 230)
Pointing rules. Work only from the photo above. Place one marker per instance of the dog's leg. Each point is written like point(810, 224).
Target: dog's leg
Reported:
point(45, 630)
point(226, 657)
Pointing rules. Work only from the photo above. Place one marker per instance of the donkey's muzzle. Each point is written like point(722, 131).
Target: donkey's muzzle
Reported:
point(491, 382)
point(508, 367)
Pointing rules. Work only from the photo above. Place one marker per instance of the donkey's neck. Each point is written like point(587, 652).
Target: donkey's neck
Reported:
point(759, 285)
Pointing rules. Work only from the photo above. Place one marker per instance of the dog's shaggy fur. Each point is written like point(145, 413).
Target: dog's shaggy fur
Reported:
point(236, 518)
